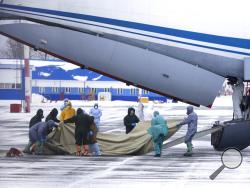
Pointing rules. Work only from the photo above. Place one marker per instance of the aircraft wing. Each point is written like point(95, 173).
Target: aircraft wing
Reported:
point(128, 63)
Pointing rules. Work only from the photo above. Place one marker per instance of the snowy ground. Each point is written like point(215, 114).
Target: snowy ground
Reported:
point(172, 170)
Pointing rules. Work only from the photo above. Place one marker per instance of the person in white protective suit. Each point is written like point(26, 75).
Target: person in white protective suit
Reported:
point(140, 111)
point(237, 96)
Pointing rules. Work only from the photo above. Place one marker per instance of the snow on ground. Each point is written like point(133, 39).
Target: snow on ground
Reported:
point(171, 170)
point(164, 108)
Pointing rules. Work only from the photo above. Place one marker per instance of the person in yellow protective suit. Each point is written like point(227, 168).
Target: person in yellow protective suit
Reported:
point(67, 112)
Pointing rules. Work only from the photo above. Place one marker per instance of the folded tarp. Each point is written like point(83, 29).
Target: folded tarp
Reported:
point(137, 142)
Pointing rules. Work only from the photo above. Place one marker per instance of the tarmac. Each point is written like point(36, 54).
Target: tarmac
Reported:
point(171, 170)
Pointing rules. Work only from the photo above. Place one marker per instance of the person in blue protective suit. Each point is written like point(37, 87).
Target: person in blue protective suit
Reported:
point(191, 120)
point(93, 145)
point(130, 120)
point(38, 134)
point(96, 113)
point(158, 131)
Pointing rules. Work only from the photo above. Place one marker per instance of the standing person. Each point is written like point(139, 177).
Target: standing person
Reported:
point(93, 145)
point(130, 120)
point(37, 118)
point(237, 96)
point(96, 113)
point(53, 116)
point(38, 134)
point(247, 113)
point(192, 121)
point(158, 131)
point(141, 111)
point(82, 127)
point(64, 105)
point(68, 112)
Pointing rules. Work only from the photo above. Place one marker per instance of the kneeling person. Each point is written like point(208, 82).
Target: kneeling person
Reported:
point(38, 134)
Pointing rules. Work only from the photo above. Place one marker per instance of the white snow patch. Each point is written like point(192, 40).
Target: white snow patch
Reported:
point(36, 98)
point(81, 78)
point(68, 66)
point(40, 63)
point(98, 78)
point(44, 74)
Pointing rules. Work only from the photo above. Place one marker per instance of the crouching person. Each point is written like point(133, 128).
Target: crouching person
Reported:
point(38, 134)
point(93, 145)
point(82, 126)
point(158, 131)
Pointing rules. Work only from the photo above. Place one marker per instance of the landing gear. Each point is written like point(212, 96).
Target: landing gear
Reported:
point(235, 133)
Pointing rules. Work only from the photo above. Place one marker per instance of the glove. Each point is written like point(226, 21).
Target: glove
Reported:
point(133, 124)
point(91, 133)
point(178, 125)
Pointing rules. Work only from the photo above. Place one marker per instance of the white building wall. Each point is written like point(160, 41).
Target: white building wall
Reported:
point(10, 76)
point(79, 84)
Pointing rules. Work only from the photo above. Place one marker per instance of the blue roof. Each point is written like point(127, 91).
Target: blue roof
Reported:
point(53, 72)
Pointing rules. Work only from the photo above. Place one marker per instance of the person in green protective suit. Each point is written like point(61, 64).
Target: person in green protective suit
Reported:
point(158, 131)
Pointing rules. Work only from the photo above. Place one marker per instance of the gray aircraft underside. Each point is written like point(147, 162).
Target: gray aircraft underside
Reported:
point(189, 76)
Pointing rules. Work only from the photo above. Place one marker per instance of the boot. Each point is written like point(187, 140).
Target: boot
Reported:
point(39, 148)
point(189, 150)
point(27, 148)
point(78, 150)
point(85, 150)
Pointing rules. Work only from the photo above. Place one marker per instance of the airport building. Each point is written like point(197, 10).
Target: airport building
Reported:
point(56, 80)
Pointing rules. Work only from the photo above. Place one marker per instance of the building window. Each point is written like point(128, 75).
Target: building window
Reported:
point(145, 92)
point(55, 90)
point(80, 90)
point(133, 91)
point(1, 85)
point(93, 90)
point(41, 90)
point(119, 91)
point(10, 86)
point(106, 89)
point(18, 86)
point(67, 89)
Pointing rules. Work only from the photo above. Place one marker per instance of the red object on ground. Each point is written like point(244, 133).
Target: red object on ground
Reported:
point(15, 108)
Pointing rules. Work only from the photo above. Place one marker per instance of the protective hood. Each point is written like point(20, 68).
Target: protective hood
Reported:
point(130, 109)
point(96, 106)
point(156, 113)
point(39, 113)
point(51, 124)
point(69, 105)
point(190, 110)
point(54, 112)
point(79, 111)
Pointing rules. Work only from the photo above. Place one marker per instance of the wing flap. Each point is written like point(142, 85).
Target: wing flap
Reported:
point(136, 66)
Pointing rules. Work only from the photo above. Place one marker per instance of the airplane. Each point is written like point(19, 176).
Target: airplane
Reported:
point(181, 49)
